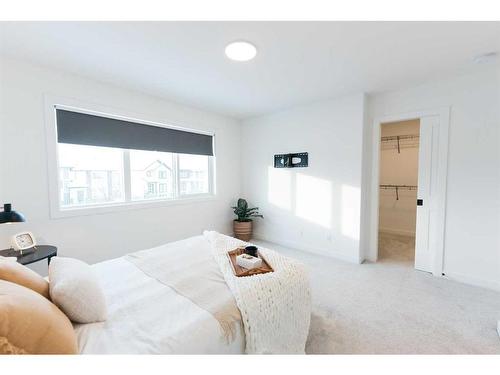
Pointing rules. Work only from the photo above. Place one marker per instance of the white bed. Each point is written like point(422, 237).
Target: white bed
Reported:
point(148, 317)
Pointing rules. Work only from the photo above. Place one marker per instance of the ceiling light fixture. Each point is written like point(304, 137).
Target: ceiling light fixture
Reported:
point(240, 51)
point(485, 58)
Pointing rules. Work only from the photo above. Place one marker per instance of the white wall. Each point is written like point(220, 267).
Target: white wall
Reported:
point(23, 168)
point(316, 208)
point(333, 134)
point(472, 231)
point(399, 168)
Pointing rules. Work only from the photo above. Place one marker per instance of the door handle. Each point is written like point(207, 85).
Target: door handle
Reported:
point(420, 202)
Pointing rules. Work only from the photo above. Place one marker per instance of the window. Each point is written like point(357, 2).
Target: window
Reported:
point(90, 175)
point(193, 172)
point(146, 169)
point(151, 189)
point(105, 174)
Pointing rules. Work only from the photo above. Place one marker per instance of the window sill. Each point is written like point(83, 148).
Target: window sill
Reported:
point(57, 213)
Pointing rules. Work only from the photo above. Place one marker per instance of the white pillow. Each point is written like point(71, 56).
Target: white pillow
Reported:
point(76, 291)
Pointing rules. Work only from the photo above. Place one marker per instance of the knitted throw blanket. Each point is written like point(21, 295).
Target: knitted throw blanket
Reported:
point(275, 306)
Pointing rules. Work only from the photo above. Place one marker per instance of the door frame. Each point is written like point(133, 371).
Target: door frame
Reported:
point(437, 256)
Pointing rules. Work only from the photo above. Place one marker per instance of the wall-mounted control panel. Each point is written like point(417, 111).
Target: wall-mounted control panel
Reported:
point(297, 160)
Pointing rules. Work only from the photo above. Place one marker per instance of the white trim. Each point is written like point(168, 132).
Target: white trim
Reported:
point(51, 103)
point(175, 172)
point(133, 205)
point(444, 123)
point(464, 279)
point(127, 178)
point(311, 249)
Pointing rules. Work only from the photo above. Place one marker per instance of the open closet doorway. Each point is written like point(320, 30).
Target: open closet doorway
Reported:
point(422, 213)
point(399, 154)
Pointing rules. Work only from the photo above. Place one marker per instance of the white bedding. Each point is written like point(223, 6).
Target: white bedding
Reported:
point(147, 317)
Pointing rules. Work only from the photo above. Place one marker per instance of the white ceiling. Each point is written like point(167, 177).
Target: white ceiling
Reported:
point(297, 62)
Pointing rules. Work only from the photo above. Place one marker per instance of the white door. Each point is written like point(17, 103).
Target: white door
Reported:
point(425, 237)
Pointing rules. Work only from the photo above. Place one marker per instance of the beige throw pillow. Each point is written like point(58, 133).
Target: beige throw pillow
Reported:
point(31, 324)
point(22, 275)
point(75, 290)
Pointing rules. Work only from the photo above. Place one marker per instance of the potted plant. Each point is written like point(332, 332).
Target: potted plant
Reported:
point(242, 226)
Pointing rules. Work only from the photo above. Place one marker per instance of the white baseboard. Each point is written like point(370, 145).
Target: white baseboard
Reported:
point(403, 232)
point(306, 248)
point(488, 284)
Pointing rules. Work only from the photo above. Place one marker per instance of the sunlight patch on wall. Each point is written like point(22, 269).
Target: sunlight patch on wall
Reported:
point(350, 214)
point(313, 199)
point(279, 189)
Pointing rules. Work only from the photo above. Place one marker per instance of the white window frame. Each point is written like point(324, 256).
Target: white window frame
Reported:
point(56, 211)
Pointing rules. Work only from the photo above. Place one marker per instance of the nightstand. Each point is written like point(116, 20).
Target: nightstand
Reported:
point(41, 252)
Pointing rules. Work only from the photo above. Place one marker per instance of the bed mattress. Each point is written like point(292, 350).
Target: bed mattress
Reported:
point(148, 317)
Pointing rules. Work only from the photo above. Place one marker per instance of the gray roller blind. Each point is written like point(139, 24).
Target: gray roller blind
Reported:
point(92, 130)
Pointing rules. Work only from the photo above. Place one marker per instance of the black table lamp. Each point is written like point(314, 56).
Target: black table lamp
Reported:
point(9, 216)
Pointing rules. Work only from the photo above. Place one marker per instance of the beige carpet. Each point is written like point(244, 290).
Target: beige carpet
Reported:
point(390, 308)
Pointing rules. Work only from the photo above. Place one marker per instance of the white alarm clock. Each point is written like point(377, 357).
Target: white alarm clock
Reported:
point(23, 241)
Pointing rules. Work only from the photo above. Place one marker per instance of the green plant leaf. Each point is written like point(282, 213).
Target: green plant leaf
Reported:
point(244, 213)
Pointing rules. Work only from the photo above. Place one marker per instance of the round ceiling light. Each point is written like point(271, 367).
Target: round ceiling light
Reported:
point(241, 51)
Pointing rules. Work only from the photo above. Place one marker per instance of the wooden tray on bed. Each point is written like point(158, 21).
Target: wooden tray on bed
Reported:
point(240, 271)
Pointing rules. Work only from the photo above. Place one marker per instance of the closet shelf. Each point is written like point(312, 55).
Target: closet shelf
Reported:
point(398, 187)
point(399, 138)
